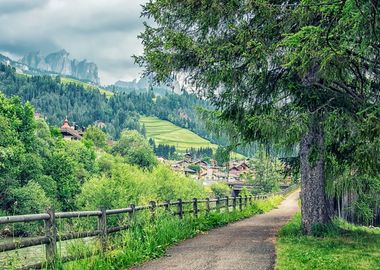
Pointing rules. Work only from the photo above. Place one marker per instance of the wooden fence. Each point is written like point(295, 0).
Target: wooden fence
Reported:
point(51, 236)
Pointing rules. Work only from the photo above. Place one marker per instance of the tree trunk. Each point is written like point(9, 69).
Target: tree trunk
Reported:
point(316, 207)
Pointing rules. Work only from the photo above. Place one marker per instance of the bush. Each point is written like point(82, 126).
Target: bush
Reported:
point(28, 199)
point(96, 136)
point(135, 149)
point(220, 189)
point(127, 184)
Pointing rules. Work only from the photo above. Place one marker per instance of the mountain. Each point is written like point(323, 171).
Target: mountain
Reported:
point(144, 84)
point(61, 64)
point(8, 61)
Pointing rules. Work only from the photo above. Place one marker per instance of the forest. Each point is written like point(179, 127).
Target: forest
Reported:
point(55, 100)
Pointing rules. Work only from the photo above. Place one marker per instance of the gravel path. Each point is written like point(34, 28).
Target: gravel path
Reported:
point(246, 244)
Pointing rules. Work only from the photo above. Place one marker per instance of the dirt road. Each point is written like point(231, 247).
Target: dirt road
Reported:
point(247, 244)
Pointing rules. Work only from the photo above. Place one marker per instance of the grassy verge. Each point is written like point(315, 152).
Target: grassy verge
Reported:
point(339, 246)
point(150, 240)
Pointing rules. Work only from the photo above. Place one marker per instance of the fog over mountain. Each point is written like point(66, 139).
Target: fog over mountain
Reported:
point(60, 63)
point(102, 31)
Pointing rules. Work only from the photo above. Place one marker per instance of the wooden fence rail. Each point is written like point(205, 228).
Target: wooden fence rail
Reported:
point(51, 236)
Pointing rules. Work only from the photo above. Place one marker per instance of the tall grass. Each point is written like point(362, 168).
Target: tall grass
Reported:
point(147, 240)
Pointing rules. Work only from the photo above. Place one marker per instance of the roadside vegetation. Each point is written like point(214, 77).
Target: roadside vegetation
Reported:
point(146, 240)
point(334, 247)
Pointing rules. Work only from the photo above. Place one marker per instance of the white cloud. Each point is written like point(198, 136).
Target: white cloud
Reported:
point(101, 31)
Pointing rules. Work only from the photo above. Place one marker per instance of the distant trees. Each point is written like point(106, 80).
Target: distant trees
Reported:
point(222, 156)
point(268, 172)
point(163, 150)
point(56, 100)
point(200, 153)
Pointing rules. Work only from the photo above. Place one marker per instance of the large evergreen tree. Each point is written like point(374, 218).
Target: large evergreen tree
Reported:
point(279, 70)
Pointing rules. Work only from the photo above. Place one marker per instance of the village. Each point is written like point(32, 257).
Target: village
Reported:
point(235, 171)
point(237, 174)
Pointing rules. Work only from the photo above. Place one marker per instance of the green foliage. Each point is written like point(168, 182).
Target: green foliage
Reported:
point(62, 169)
point(268, 172)
point(135, 149)
point(245, 192)
point(30, 198)
point(195, 167)
point(338, 246)
point(33, 159)
point(222, 156)
point(126, 184)
point(220, 189)
point(96, 136)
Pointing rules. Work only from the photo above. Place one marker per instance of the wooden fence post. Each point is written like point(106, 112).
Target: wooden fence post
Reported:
point(217, 205)
point(227, 204)
point(207, 206)
point(234, 203)
point(102, 227)
point(245, 201)
point(179, 207)
point(131, 214)
point(167, 206)
point(51, 234)
point(152, 206)
point(250, 200)
point(195, 207)
point(240, 203)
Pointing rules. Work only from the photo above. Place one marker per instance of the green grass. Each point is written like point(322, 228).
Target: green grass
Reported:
point(165, 132)
point(340, 246)
point(150, 240)
point(86, 85)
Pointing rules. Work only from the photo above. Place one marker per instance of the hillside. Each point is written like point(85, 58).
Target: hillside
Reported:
point(67, 97)
point(87, 86)
point(165, 132)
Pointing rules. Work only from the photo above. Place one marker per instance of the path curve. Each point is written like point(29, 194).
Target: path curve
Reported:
point(246, 244)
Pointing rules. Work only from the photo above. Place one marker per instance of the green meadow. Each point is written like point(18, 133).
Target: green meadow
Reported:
point(165, 132)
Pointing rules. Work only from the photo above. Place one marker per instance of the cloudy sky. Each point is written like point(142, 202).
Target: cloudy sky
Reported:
point(101, 31)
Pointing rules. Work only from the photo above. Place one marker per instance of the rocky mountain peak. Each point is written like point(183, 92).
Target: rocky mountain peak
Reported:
point(60, 63)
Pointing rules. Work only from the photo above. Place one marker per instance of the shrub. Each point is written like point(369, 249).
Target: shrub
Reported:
point(220, 189)
point(135, 149)
point(28, 199)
